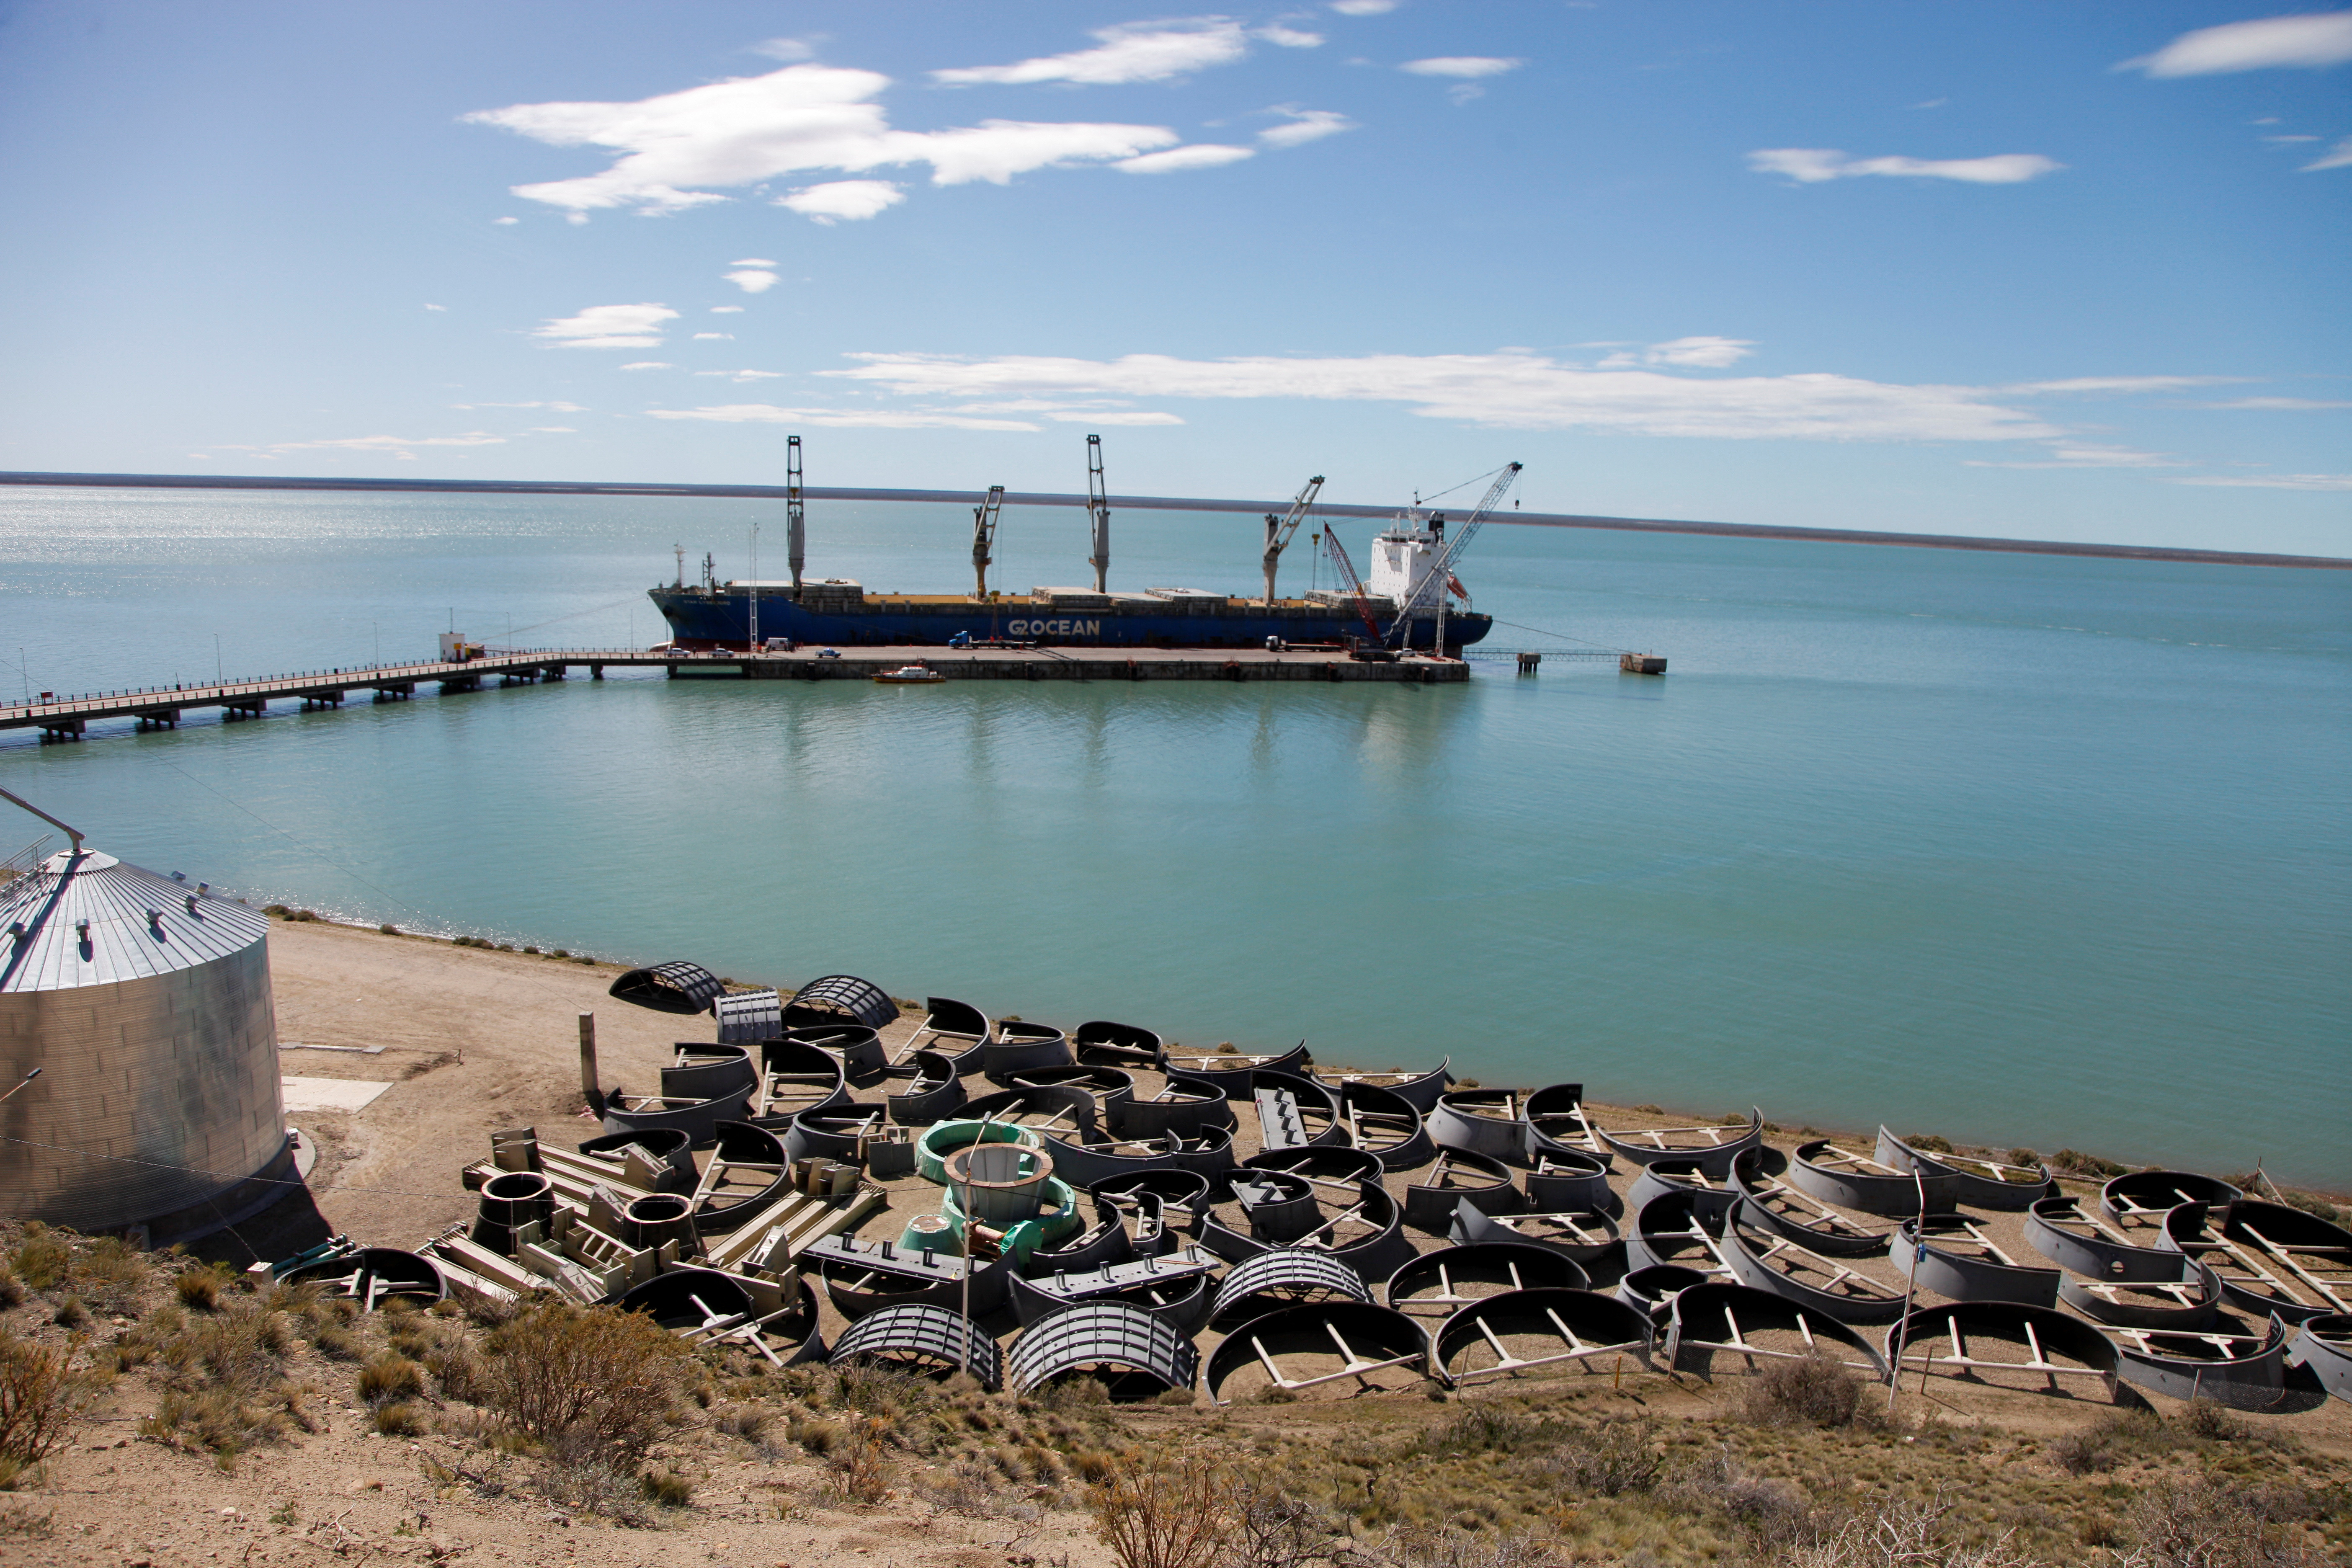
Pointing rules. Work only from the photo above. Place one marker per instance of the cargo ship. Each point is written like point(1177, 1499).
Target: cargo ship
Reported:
point(1396, 609)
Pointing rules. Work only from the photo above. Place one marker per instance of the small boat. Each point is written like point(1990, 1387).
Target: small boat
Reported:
point(909, 675)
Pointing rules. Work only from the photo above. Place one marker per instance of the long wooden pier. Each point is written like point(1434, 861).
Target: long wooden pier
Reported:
point(161, 707)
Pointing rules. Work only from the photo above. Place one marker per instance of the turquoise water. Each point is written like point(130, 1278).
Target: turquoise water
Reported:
point(2019, 851)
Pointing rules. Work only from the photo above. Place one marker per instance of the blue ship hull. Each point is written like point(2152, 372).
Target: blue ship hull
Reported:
point(720, 617)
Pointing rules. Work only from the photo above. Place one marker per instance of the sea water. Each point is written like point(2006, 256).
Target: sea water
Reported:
point(2021, 851)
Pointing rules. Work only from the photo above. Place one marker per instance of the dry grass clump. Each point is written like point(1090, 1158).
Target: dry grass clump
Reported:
point(1610, 1460)
point(390, 1379)
point(38, 1402)
point(585, 1373)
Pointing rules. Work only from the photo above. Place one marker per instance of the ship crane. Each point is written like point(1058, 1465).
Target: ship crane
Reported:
point(1098, 511)
point(795, 519)
point(983, 536)
point(1441, 574)
point(1346, 569)
point(1279, 530)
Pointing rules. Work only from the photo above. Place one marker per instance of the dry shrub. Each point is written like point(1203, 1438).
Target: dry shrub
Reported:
point(1807, 1391)
point(2206, 1524)
point(748, 1422)
point(590, 1476)
point(199, 1288)
point(2209, 1422)
point(399, 1419)
point(224, 1421)
point(1763, 1509)
point(1270, 1528)
point(12, 1290)
point(667, 1487)
point(1896, 1532)
point(1167, 1513)
point(457, 1371)
point(1446, 1546)
point(42, 1260)
point(1610, 1461)
point(879, 1390)
point(390, 1379)
point(1486, 1429)
point(2107, 1441)
point(237, 1351)
point(860, 1470)
point(111, 1273)
point(38, 1401)
point(593, 1372)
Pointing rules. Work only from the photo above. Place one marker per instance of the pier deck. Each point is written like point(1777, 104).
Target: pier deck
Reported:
point(66, 718)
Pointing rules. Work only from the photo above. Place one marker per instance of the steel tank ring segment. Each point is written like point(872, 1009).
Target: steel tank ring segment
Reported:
point(1323, 1163)
point(1566, 1181)
point(1173, 1288)
point(1953, 1258)
point(857, 1047)
point(1828, 1285)
point(2150, 1195)
point(1019, 1046)
point(2323, 1347)
point(1591, 1239)
point(2072, 1237)
point(1419, 1091)
point(676, 986)
point(1488, 1121)
point(1712, 1147)
point(664, 1161)
point(2272, 1259)
point(1654, 1289)
point(1281, 1278)
point(373, 1274)
point(2190, 1301)
point(2244, 1371)
point(1457, 1178)
point(1235, 1073)
point(1434, 1282)
point(1386, 1124)
point(1323, 1342)
point(1118, 1045)
point(1980, 1183)
point(927, 1341)
point(935, 1092)
point(835, 999)
point(1856, 1181)
point(1520, 1331)
point(1768, 1204)
point(748, 1171)
point(1758, 1325)
point(1133, 1355)
point(1186, 1106)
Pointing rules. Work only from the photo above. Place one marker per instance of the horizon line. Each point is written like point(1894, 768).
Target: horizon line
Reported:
point(1174, 503)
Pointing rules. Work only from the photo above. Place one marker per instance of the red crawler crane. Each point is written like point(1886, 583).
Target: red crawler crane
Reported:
point(1347, 570)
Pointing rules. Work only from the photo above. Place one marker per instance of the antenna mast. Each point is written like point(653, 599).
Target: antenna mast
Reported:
point(795, 518)
point(983, 535)
point(1098, 507)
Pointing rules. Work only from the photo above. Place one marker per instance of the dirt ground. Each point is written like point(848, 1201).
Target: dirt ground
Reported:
point(476, 1041)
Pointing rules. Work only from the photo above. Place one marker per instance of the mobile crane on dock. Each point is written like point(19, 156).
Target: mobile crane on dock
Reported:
point(1279, 530)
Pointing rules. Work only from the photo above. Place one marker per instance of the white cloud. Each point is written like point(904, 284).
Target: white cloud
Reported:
point(805, 117)
point(726, 310)
point(714, 337)
point(1462, 66)
point(752, 279)
point(1703, 354)
point(552, 407)
point(2288, 140)
point(2086, 455)
point(1499, 390)
point(1288, 37)
point(1140, 418)
point(2337, 157)
point(1363, 7)
point(786, 50)
point(609, 327)
point(1813, 165)
point(1201, 155)
point(2312, 41)
point(839, 199)
point(751, 261)
point(503, 220)
point(840, 418)
point(2286, 404)
point(436, 307)
point(743, 376)
point(650, 364)
point(391, 446)
point(1305, 125)
point(554, 430)
point(1143, 51)
point(2117, 383)
point(2273, 481)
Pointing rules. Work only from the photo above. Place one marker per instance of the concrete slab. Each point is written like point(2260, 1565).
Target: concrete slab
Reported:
point(307, 1094)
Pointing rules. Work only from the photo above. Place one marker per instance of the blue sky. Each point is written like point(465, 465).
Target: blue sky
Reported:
point(2058, 271)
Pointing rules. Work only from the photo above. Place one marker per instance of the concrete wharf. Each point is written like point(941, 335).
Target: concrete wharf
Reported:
point(160, 707)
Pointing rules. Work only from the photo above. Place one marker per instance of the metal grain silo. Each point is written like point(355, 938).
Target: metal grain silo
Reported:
point(146, 1008)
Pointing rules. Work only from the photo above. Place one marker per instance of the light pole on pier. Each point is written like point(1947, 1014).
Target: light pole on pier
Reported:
point(755, 589)
point(26, 672)
point(219, 674)
point(379, 643)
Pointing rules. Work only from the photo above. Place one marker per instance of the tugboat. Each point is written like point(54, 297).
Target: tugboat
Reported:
point(910, 675)
point(1399, 608)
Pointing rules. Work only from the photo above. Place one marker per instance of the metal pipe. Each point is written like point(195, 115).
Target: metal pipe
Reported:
point(72, 832)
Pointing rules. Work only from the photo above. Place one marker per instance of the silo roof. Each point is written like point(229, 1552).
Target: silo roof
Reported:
point(89, 918)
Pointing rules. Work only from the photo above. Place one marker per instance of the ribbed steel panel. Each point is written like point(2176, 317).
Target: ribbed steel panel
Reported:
point(159, 1089)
